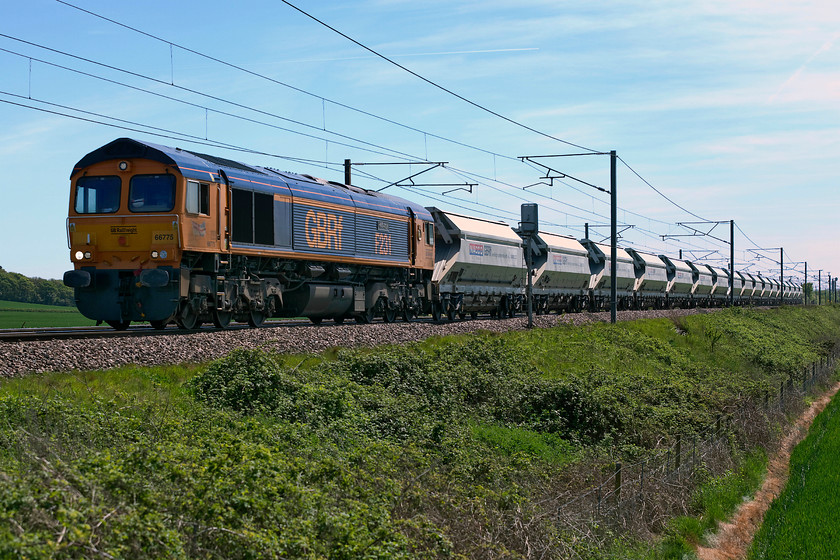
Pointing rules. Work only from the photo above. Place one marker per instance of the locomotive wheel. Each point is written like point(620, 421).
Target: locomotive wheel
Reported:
point(187, 317)
point(256, 318)
point(407, 314)
point(316, 320)
point(119, 325)
point(390, 314)
point(366, 317)
point(221, 319)
point(339, 320)
point(159, 325)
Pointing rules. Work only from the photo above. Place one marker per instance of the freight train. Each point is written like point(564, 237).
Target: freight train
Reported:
point(165, 235)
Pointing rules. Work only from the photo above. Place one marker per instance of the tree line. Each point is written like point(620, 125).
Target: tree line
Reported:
point(17, 287)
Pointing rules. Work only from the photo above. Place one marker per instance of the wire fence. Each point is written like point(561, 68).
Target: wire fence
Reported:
point(642, 496)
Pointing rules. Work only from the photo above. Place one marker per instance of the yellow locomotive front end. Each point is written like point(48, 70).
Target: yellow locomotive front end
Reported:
point(125, 232)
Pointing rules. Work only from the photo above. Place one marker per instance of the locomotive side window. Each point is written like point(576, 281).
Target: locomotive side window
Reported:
point(430, 233)
point(97, 195)
point(151, 193)
point(253, 217)
point(242, 213)
point(263, 219)
point(198, 198)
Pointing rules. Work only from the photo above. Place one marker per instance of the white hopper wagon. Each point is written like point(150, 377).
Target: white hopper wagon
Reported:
point(562, 274)
point(652, 283)
point(479, 267)
point(683, 280)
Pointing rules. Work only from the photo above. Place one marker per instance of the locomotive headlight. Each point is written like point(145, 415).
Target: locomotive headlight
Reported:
point(79, 255)
point(155, 254)
point(87, 254)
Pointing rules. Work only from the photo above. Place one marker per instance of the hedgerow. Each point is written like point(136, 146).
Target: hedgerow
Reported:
point(452, 448)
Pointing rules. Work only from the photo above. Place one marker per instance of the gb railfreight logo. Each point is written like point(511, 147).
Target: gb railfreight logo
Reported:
point(124, 230)
point(480, 249)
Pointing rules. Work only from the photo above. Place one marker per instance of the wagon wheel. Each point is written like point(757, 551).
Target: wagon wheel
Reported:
point(221, 319)
point(187, 317)
point(256, 318)
point(390, 314)
point(474, 315)
point(339, 320)
point(450, 312)
point(159, 325)
point(119, 325)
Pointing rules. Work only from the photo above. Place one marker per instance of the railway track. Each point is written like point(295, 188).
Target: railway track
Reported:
point(141, 330)
point(96, 349)
point(70, 333)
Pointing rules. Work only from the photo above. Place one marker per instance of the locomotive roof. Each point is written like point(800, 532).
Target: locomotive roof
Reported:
point(205, 167)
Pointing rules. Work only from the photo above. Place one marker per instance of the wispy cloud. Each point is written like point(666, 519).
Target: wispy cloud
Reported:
point(796, 75)
point(407, 55)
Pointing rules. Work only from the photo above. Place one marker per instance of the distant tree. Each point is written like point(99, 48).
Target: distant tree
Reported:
point(17, 287)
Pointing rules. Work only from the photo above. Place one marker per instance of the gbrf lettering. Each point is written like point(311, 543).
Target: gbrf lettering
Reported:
point(323, 230)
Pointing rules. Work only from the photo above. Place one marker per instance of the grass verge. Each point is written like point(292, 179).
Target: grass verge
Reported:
point(458, 447)
point(803, 521)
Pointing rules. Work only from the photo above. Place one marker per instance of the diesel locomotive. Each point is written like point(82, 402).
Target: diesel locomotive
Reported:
point(164, 235)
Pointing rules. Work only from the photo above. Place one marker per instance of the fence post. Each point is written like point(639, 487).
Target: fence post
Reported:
point(599, 500)
point(642, 483)
point(679, 454)
point(618, 483)
point(694, 453)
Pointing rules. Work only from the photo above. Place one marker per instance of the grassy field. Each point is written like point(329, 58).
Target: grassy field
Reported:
point(457, 447)
point(15, 315)
point(804, 522)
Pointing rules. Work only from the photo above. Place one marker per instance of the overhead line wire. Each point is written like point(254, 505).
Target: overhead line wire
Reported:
point(172, 135)
point(372, 115)
point(199, 93)
point(278, 82)
point(430, 82)
point(660, 193)
point(284, 84)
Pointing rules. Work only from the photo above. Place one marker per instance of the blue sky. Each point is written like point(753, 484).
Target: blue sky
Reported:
point(730, 109)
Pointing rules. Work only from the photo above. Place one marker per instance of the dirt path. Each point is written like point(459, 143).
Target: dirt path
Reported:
point(732, 540)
